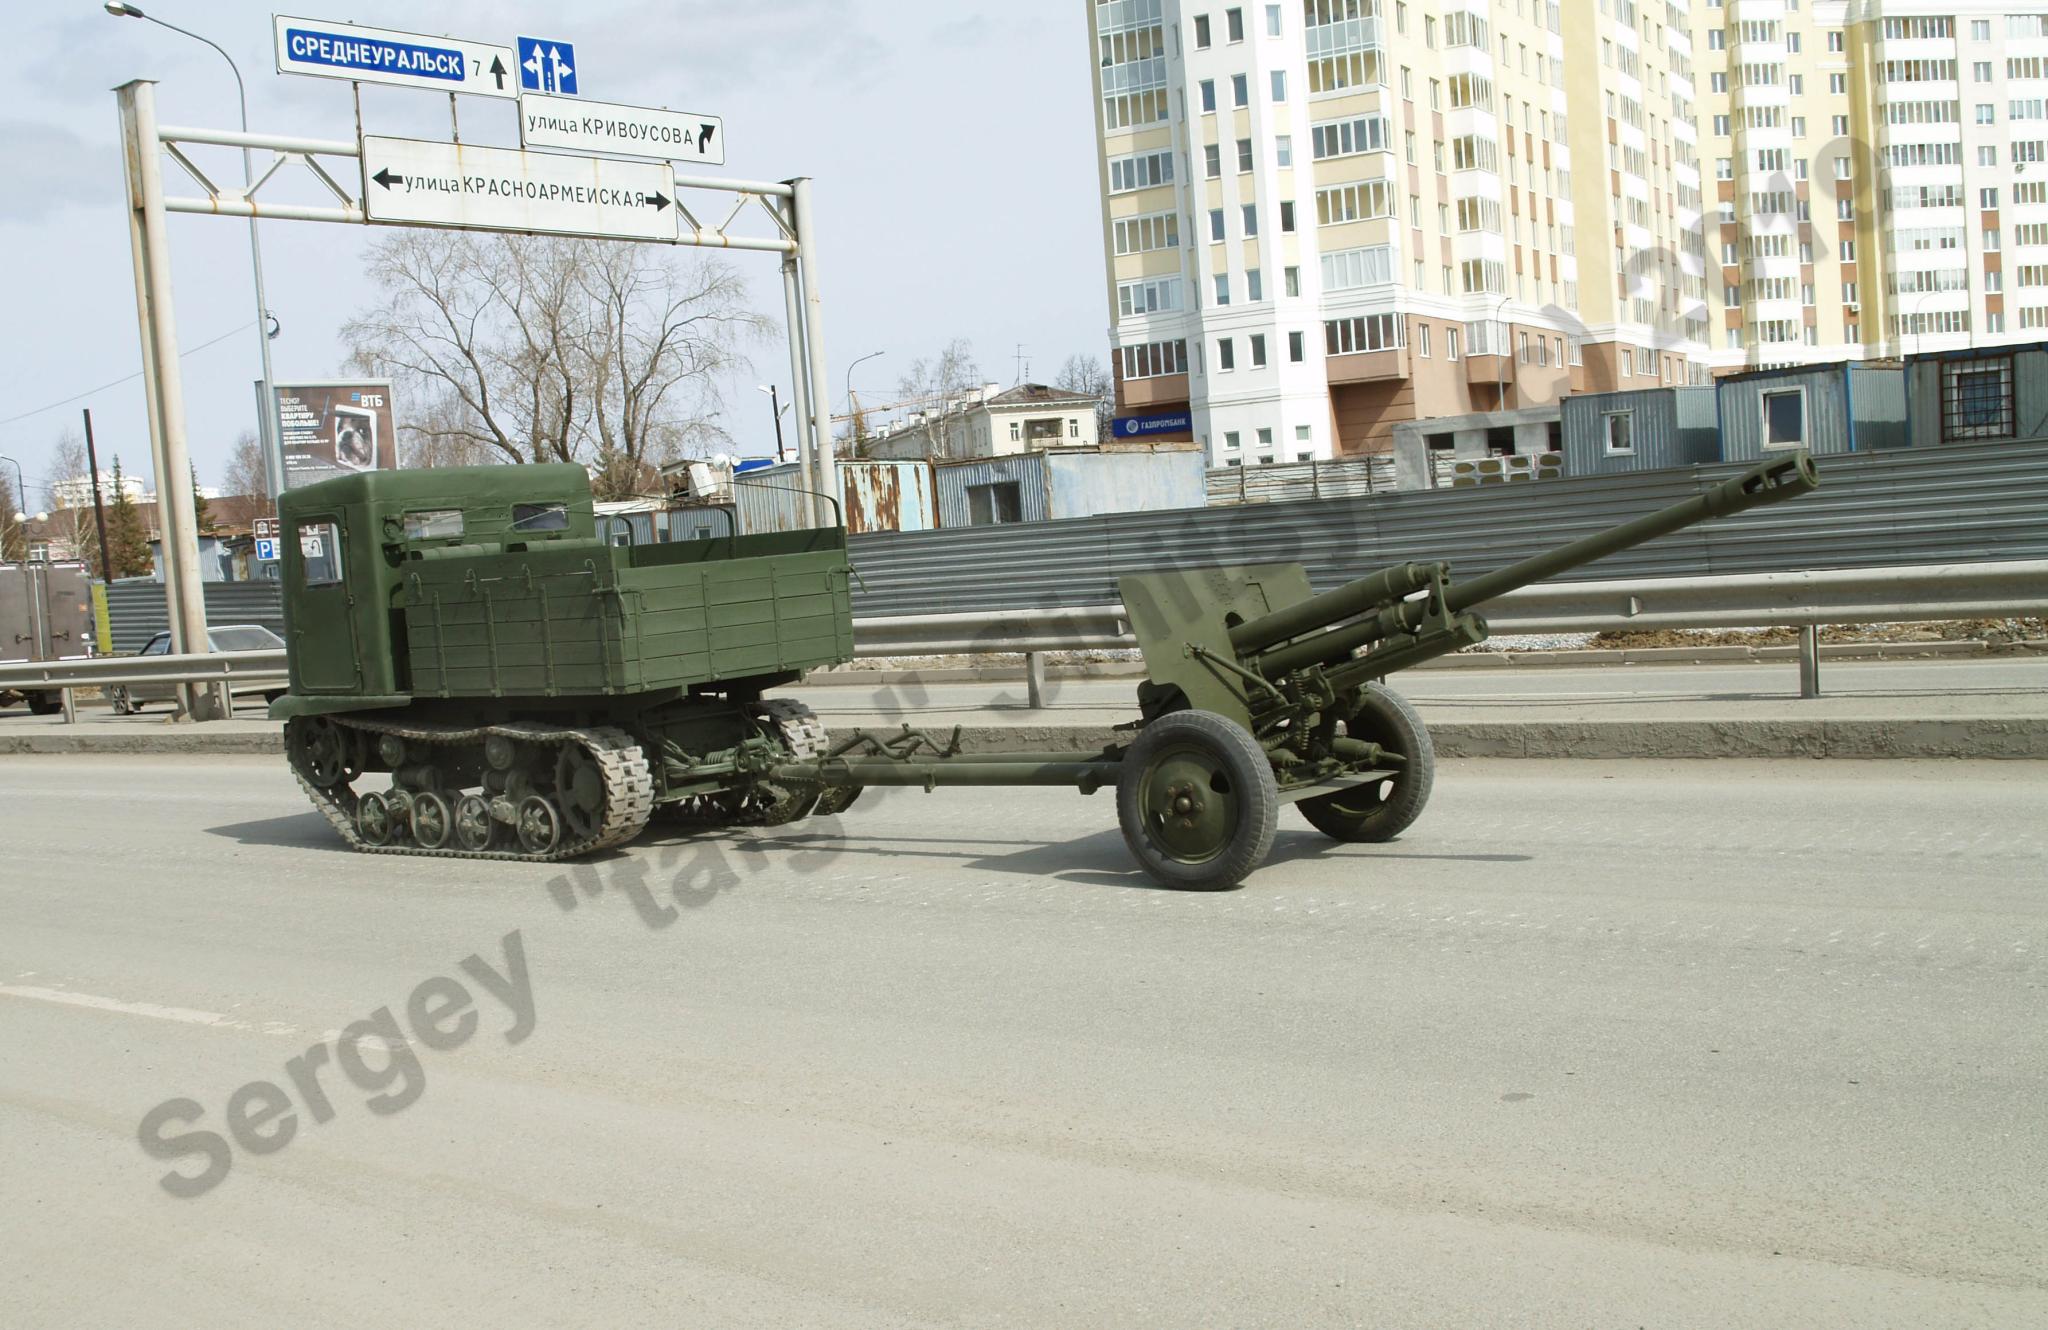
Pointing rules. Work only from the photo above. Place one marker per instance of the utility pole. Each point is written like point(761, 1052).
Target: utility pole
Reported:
point(163, 389)
point(99, 506)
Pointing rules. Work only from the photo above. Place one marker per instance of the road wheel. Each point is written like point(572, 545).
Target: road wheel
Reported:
point(474, 826)
point(44, 703)
point(1383, 809)
point(540, 824)
point(1196, 800)
point(118, 699)
point(375, 821)
point(432, 820)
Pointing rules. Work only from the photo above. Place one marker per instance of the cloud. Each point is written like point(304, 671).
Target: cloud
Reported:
point(50, 168)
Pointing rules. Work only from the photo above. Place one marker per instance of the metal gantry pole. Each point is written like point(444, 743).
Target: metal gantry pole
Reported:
point(799, 390)
point(825, 475)
point(149, 246)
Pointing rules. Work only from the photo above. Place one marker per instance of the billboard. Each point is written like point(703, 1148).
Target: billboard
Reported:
point(335, 428)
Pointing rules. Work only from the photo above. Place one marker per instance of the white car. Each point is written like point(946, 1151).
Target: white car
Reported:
point(130, 698)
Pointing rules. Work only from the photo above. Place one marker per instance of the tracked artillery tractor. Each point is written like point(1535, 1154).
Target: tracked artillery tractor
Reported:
point(509, 682)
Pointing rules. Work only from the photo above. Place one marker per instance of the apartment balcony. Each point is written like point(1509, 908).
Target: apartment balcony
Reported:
point(1367, 366)
point(1138, 394)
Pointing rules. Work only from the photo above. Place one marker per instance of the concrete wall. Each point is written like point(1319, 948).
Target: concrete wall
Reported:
point(1084, 484)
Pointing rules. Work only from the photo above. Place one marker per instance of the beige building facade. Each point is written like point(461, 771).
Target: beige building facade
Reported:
point(1325, 217)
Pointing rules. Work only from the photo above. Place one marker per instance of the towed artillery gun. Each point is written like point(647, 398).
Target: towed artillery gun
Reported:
point(537, 692)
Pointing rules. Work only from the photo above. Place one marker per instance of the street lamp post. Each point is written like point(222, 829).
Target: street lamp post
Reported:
point(849, 384)
point(775, 405)
point(273, 447)
point(15, 511)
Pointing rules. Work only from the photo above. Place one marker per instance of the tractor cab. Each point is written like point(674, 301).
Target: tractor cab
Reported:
point(348, 544)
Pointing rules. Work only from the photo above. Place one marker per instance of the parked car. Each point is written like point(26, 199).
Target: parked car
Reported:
point(224, 640)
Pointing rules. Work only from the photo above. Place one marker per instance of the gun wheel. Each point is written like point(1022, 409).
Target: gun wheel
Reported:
point(1196, 801)
point(1384, 809)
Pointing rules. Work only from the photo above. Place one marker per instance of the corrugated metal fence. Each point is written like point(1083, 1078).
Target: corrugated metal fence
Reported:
point(1905, 506)
point(1962, 503)
point(136, 611)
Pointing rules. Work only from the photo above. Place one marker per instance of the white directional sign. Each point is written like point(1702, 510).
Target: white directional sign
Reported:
point(326, 49)
point(638, 131)
point(503, 189)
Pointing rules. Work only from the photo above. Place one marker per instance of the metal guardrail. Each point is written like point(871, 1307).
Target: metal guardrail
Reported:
point(1917, 593)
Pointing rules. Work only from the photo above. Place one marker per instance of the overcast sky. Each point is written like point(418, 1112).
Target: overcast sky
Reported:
point(950, 142)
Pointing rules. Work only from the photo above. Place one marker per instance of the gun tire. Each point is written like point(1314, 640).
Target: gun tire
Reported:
point(1196, 800)
point(1384, 809)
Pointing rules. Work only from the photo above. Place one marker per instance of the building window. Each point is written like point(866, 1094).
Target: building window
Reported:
point(1254, 286)
point(1226, 355)
point(1153, 360)
point(1371, 332)
point(1240, 90)
point(1976, 399)
point(1785, 418)
point(1244, 154)
point(1207, 89)
point(1628, 363)
point(1016, 430)
point(1617, 429)
point(1272, 20)
point(992, 505)
point(1201, 32)
point(1450, 343)
point(1422, 340)
point(1215, 223)
point(1283, 149)
point(1258, 350)
point(1292, 277)
point(1251, 219)
point(1287, 214)
point(1233, 24)
point(1212, 160)
point(1279, 85)
point(1296, 352)
point(1230, 441)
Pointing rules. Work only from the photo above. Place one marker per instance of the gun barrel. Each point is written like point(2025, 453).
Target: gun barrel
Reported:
point(1768, 482)
point(1356, 597)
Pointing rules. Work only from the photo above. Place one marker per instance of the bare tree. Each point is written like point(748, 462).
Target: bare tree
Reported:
point(68, 482)
point(247, 473)
point(13, 535)
point(939, 385)
point(1085, 374)
point(539, 349)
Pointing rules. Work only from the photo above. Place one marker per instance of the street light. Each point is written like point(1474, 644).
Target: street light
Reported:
point(273, 448)
point(775, 404)
point(20, 497)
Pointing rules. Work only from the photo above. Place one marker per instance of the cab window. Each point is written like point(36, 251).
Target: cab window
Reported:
point(441, 524)
point(320, 553)
point(540, 517)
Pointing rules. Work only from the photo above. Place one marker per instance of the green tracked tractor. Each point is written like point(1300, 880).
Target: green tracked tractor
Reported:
point(533, 690)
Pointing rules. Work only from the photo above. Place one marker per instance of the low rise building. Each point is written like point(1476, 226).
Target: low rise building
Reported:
point(992, 422)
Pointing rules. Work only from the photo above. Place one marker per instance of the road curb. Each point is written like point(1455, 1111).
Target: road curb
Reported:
point(2003, 738)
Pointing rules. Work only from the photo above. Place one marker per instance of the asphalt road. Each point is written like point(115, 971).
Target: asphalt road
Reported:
point(1629, 1044)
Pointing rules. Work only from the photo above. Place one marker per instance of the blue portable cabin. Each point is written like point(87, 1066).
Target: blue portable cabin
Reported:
point(1980, 395)
point(1643, 429)
point(1849, 407)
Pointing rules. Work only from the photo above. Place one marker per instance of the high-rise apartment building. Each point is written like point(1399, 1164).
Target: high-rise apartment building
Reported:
point(1324, 217)
point(1880, 167)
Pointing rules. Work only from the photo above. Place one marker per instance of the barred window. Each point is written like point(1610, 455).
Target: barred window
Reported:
point(1976, 399)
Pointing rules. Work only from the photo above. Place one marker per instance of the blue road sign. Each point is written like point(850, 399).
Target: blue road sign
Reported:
point(266, 549)
point(546, 66)
point(1169, 422)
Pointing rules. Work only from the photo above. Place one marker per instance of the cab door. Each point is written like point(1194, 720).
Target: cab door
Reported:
point(320, 607)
